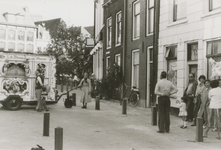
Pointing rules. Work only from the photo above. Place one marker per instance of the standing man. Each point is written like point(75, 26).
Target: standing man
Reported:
point(163, 90)
point(190, 92)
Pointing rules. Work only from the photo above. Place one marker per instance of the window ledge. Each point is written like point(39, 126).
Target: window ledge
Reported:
point(108, 48)
point(118, 45)
point(149, 34)
point(177, 22)
point(134, 39)
point(212, 13)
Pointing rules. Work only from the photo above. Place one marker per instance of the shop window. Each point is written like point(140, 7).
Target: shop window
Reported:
point(214, 59)
point(2, 34)
point(171, 56)
point(179, 9)
point(214, 4)
point(136, 20)
point(135, 68)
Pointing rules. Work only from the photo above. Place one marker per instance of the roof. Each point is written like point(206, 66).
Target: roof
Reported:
point(90, 29)
point(50, 25)
point(14, 9)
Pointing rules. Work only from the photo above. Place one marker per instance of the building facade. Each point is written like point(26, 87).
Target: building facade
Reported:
point(112, 37)
point(17, 30)
point(97, 51)
point(139, 48)
point(189, 41)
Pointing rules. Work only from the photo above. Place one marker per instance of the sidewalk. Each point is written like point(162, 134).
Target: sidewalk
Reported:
point(90, 129)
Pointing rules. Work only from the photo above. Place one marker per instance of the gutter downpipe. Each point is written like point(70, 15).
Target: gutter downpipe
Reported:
point(155, 49)
point(124, 38)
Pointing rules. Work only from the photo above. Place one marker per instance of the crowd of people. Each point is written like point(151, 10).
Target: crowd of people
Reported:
point(201, 99)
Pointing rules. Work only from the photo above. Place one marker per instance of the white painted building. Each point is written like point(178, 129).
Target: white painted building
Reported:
point(97, 51)
point(190, 34)
point(17, 30)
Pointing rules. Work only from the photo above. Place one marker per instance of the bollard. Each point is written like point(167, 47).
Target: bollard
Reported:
point(154, 115)
point(61, 87)
point(74, 99)
point(46, 124)
point(97, 103)
point(67, 86)
point(199, 129)
point(124, 106)
point(58, 138)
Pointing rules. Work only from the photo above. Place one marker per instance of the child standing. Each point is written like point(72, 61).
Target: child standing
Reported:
point(183, 112)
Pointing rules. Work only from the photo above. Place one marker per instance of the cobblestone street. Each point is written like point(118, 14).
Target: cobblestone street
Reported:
point(90, 129)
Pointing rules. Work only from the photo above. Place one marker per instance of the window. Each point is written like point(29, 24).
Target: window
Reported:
point(214, 4)
point(150, 15)
point(109, 32)
point(2, 34)
point(214, 47)
point(30, 36)
point(135, 68)
point(192, 51)
point(151, 55)
point(179, 9)
point(214, 54)
point(11, 35)
point(108, 62)
point(2, 46)
point(11, 46)
point(30, 48)
point(194, 69)
point(118, 28)
point(21, 35)
point(136, 20)
point(171, 56)
point(21, 47)
point(117, 59)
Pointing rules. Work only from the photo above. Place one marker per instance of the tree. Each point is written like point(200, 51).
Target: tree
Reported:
point(68, 46)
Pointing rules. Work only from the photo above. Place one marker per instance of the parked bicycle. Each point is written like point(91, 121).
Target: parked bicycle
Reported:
point(132, 94)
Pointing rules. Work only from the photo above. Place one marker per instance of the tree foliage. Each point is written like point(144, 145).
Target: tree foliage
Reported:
point(68, 46)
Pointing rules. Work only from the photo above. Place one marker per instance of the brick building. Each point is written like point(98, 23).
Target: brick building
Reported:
point(112, 33)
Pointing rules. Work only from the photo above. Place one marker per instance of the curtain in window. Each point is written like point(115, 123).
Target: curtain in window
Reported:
point(172, 66)
point(180, 9)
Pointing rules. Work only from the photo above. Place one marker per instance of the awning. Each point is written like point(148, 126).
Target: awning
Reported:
point(96, 48)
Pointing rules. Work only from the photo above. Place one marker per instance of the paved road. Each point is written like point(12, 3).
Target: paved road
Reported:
point(89, 129)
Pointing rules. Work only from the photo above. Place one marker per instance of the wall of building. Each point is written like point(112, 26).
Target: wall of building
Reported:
point(111, 11)
point(142, 45)
point(199, 26)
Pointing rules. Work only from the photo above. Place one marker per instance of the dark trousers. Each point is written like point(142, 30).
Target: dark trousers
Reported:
point(189, 108)
point(196, 107)
point(164, 114)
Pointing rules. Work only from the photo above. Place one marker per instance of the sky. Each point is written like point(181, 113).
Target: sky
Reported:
point(73, 12)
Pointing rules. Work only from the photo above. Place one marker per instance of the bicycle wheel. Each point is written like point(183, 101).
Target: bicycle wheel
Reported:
point(134, 99)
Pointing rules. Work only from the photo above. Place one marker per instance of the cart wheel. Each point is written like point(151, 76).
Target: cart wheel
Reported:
point(68, 103)
point(13, 103)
